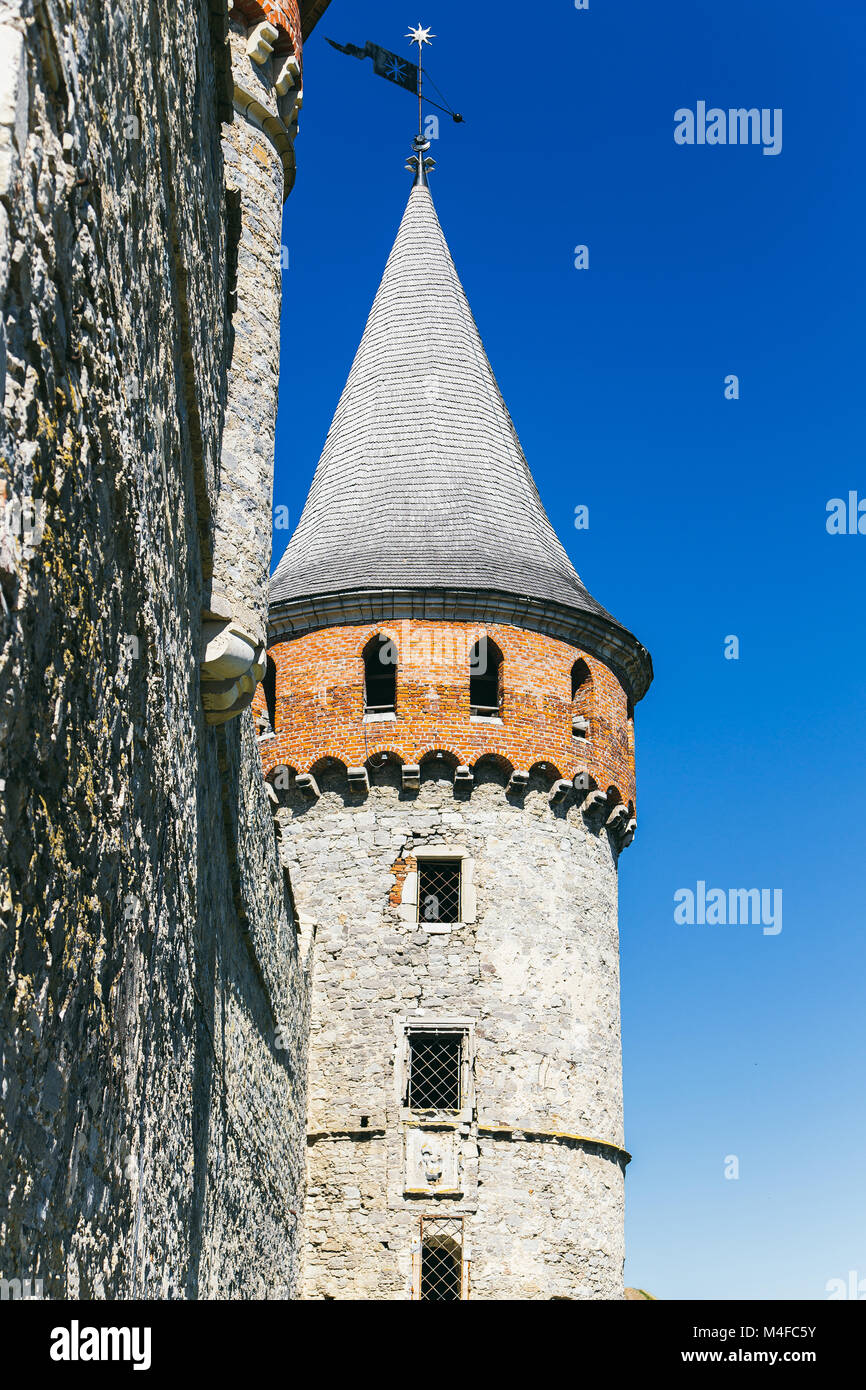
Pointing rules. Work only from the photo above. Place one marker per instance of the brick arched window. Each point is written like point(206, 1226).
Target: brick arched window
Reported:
point(485, 679)
point(380, 675)
point(581, 698)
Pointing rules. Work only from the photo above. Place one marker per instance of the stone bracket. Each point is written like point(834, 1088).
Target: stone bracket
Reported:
point(232, 664)
point(359, 780)
point(518, 783)
point(411, 777)
point(559, 791)
point(261, 40)
point(288, 76)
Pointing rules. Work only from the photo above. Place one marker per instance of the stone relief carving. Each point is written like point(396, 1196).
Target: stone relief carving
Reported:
point(432, 1161)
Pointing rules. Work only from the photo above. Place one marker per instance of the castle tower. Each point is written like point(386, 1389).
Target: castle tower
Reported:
point(263, 89)
point(454, 759)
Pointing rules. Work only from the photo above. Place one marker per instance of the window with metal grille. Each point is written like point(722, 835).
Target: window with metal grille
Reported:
point(441, 1259)
point(435, 1071)
point(439, 890)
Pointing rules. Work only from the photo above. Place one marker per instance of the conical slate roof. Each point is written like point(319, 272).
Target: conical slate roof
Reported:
point(422, 499)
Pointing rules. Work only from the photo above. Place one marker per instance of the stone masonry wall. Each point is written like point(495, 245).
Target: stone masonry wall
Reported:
point(152, 1009)
point(534, 968)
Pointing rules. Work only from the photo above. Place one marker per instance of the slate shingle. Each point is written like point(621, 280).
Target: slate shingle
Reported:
point(422, 483)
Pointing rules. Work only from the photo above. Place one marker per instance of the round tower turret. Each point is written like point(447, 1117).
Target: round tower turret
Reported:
point(453, 755)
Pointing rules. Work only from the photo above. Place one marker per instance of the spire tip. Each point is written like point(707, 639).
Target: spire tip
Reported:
point(417, 164)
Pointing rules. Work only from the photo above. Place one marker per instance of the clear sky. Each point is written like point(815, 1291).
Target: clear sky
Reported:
point(707, 520)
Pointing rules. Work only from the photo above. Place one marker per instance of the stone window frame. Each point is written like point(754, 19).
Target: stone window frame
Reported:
point(427, 1024)
point(468, 899)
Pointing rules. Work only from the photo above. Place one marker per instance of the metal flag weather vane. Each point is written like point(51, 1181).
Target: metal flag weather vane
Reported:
point(399, 70)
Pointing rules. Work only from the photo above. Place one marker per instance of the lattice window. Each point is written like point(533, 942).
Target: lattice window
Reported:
point(439, 890)
point(441, 1276)
point(436, 1071)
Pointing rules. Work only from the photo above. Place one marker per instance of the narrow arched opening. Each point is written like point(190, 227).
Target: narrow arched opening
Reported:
point(581, 699)
point(380, 676)
point(485, 680)
point(269, 689)
point(581, 677)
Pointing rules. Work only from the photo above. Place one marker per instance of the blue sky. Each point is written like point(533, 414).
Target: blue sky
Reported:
point(707, 519)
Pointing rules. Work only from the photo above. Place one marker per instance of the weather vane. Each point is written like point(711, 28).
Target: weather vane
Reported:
point(420, 36)
point(410, 76)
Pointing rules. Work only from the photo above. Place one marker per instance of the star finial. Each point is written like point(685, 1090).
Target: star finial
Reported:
point(419, 35)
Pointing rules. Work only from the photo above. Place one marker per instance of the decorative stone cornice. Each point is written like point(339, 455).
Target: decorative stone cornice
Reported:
point(562, 1136)
point(282, 136)
point(512, 1132)
point(318, 1136)
point(601, 811)
point(620, 651)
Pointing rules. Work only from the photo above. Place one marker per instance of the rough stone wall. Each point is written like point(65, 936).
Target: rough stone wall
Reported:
point(535, 970)
point(320, 702)
point(152, 1116)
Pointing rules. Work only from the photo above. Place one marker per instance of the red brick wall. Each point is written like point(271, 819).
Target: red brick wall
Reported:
point(320, 703)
